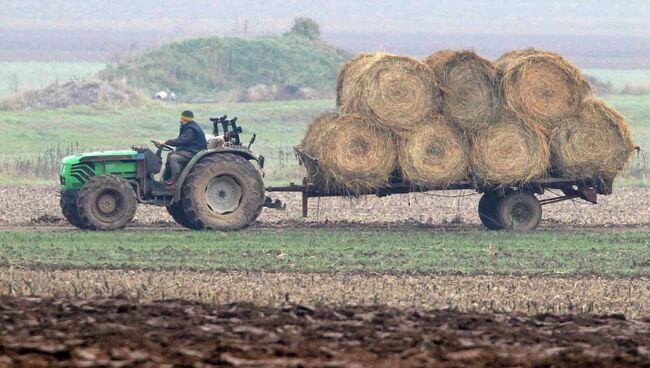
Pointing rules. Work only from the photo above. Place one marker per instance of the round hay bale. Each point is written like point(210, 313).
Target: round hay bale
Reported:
point(316, 132)
point(435, 154)
point(469, 88)
point(598, 145)
point(395, 92)
point(312, 144)
point(541, 87)
point(509, 152)
point(357, 155)
point(350, 71)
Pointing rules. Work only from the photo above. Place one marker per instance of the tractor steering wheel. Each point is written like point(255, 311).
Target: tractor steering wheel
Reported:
point(162, 147)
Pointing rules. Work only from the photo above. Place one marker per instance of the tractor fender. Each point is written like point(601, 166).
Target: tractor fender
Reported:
point(202, 154)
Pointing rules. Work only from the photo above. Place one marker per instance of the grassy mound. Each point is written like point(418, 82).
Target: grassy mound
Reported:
point(234, 68)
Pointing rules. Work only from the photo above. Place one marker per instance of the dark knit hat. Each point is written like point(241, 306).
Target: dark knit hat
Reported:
point(187, 114)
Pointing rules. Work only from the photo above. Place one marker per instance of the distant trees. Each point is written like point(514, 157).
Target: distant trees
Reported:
point(305, 27)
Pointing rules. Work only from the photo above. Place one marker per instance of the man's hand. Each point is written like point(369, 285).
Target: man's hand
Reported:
point(162, 143)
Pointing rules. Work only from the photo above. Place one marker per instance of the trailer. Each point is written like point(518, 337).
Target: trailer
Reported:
point(514, 207)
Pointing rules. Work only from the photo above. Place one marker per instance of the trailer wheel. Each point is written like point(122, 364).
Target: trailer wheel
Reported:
point(223, 192)
point(519, 211)
point(487, 211)
point(106, 202)
point(69, 208)
point(178, 214)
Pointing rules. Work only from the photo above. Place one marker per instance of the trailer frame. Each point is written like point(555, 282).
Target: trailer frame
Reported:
point(586, 189)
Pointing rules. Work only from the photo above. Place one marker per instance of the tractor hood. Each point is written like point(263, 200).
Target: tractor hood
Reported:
point(78, 169)
point(101, 155)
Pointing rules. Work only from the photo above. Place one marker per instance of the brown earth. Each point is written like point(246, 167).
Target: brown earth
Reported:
point(627, 207)
point(116, 333)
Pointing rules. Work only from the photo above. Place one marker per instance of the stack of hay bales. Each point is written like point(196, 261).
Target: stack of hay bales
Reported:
point(587, 138)
point(456, 116)
point(388, 118)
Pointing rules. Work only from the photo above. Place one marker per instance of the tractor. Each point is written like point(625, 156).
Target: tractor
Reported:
point(221, 188)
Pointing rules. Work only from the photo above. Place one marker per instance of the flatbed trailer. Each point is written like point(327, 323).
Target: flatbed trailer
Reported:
point(512, 207)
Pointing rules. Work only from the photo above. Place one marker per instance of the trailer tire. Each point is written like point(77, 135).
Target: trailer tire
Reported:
point(223, 192)
point(70, 209)
point(106, 202)
point(519, 211)
point(487, 211)
point(178, 214)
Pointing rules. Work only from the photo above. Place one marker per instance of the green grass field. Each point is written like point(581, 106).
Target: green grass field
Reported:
point(27, 75)
point(299, 250)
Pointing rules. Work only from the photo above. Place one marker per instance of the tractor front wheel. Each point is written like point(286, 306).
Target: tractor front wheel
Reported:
point(106, 202)
point(69, 208)
point(223, 192)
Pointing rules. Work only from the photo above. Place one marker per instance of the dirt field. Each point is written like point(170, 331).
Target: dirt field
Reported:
point(116, 333)
point(627, 207)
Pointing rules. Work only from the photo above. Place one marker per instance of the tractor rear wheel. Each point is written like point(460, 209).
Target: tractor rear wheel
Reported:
point(223, 192)
point(519, 211)
point(487, 210)
point(106, 202)
point(69, 208)
point(178, 214)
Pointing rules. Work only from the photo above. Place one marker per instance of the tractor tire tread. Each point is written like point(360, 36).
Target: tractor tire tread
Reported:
point(70, 210)
point(97, 183)
point(253, 192)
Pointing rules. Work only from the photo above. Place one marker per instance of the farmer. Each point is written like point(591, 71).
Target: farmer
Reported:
point(191, 140)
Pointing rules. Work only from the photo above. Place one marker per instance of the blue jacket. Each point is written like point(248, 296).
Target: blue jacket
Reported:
point(190, 138)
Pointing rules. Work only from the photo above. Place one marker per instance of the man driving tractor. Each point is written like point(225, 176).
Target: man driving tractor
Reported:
point(190, 140)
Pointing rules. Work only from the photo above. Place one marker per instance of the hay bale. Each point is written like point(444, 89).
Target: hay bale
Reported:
point(350, 72)
point(312, 144)
point(436, 154)
point(509, 152)
point(598, 145)
point(541, 87)
point(352, 152)
point(469, 88)
point(395, 92)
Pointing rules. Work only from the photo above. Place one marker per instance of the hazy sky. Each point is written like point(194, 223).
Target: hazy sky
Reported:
point(596, 17)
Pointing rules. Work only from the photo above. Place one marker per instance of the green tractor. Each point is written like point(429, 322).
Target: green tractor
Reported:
point(219, 189)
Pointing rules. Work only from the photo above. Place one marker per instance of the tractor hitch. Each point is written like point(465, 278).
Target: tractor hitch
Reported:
point(274, 203)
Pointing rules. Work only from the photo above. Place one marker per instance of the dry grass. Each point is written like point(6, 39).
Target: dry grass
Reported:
point(598, 144)
point(99, 93)
point(395, 92)
point(541, 87)
point(355, 154)
point(509, 152)
point(313, 144)
point(469, 87)
point(435, 154)
point(531, 295)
